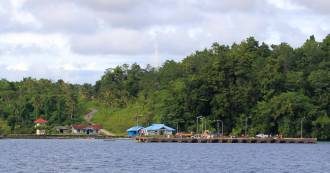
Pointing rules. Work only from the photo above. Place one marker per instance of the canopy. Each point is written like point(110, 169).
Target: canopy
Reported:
point(158, 127)
point(135, 128)
point(40, 120)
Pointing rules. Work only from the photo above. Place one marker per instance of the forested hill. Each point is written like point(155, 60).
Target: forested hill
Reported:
point(274, 88)
point(23, 102)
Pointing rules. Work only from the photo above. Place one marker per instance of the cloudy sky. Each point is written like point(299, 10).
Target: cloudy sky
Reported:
point(76, 40)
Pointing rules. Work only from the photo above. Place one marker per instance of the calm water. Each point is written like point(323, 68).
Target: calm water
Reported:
point(127, 156)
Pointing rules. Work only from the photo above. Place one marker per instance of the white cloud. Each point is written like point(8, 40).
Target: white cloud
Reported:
point(79, 66)
point(77, 40)
point(286, 5)
point(114, 41)
point(18, 67)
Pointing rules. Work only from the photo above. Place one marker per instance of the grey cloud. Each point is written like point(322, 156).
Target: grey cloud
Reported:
point(8, 21)
point(119, 41)
point(126, 31)
point(22, 50)
point(105, 5)
point(228, 5)
point(141, 17)
point(143, 14)
point(318, 6)
point(62, 16)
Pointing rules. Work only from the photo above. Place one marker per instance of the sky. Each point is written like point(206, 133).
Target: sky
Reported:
point(77, 40)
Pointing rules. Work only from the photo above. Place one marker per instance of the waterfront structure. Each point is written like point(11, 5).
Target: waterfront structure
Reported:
point(228, 140)
point(40, 126)
point(158, 129)
point(63, 129)
point(134, 131)
point(87, 130)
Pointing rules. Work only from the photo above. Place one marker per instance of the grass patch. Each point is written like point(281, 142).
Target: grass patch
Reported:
point(4, 128)
point(116, 121)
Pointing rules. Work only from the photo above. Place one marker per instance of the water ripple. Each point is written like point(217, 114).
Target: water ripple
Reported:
point(73, 156)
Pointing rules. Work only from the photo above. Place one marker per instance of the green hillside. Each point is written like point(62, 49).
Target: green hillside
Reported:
point(114, 120)
point(274, 89)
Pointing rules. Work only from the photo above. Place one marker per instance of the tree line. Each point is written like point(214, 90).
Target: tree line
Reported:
point(23, 102)
point(273, 89)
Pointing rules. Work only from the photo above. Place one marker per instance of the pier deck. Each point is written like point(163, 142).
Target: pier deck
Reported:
point(229, 140)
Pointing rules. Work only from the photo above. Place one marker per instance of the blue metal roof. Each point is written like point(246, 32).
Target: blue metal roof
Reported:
point(158, 127)
point(135, 128)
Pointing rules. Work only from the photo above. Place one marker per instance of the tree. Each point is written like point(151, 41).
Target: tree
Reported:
point(282, 114)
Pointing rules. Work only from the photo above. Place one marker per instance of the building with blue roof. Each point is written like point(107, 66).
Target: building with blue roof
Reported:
point(158, 129)
point(134, 131)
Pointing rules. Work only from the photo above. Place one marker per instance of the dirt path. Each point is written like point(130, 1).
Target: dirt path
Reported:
point(88, 117)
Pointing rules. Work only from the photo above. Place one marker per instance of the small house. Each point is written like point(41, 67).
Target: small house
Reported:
point(40, 126)
point(134, 131)
point(93, 129)
point(78, 129)
point(158, 129)
point(86, 130)
point(63, 129)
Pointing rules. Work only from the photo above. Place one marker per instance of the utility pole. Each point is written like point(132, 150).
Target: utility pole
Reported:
point(203, 122)
point(218, 127)
point(246, 125)
point(137, 120)
point(197, 118)
point(197, 125)
point(301, 127)
point(221, 127)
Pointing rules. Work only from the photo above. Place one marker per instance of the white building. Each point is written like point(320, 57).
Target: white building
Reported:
point(40, 126)
point(86, 130)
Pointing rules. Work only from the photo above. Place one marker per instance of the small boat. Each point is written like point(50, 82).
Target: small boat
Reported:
point(262, 136)
point(109, 140)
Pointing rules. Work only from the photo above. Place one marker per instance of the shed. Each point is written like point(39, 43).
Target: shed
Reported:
point(134, 131)
point(63, 129)
point(158, 129)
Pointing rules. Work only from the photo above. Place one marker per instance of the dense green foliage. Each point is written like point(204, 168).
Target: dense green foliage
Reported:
point(23, 102)
point(274, 88)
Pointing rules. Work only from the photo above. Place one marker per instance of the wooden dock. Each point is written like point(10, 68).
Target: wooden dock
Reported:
point(228, 140)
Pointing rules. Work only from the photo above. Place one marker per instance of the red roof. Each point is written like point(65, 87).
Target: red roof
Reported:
point(40, 120)
point(79, 126)
point(96, 126)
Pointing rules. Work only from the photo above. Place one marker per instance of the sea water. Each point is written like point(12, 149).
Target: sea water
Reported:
point(100, 156)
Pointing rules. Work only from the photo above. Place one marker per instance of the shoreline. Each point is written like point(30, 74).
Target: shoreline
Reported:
point(166, 140)
point(33, 136)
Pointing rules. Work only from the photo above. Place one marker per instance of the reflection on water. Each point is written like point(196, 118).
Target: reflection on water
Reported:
point(120, 156)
